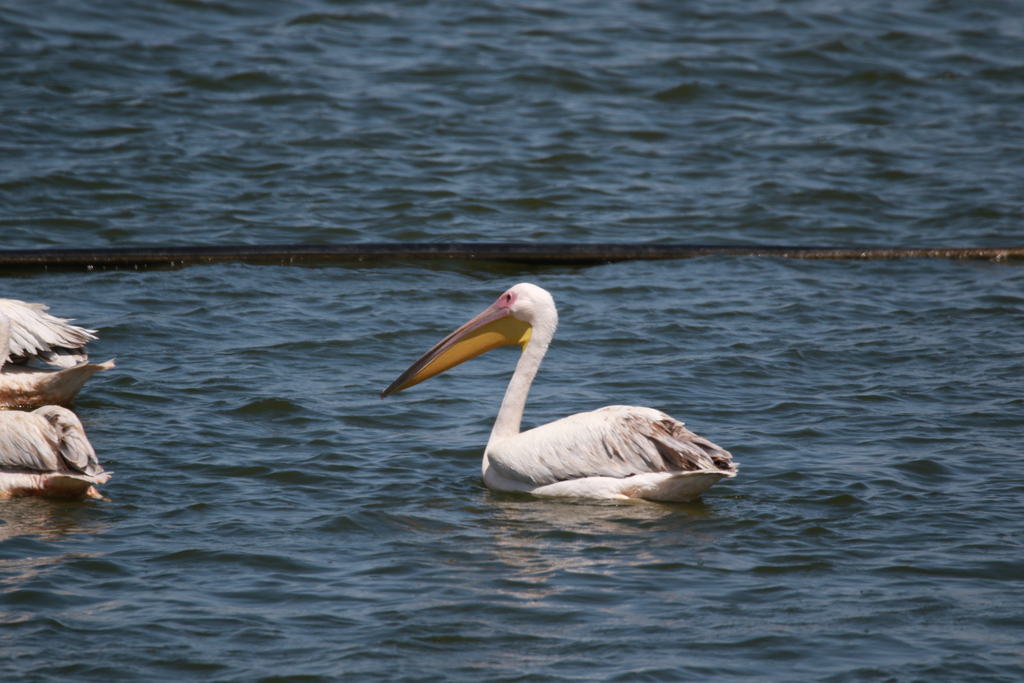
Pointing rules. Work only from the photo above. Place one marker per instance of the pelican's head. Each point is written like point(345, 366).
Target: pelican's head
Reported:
point(509, 321)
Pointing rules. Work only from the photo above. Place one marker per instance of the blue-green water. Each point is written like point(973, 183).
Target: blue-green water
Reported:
point(270, 519)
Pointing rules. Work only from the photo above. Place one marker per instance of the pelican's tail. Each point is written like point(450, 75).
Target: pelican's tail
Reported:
point(27, 387)
point(75, 486)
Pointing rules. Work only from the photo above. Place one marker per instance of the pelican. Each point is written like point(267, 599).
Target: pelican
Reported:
point(618, 452)
point(46, 453)
point(29, 335)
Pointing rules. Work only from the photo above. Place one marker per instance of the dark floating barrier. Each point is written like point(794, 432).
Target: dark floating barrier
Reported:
point(513, 252)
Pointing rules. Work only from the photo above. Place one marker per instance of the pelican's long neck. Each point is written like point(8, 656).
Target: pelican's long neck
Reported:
point(510, 416)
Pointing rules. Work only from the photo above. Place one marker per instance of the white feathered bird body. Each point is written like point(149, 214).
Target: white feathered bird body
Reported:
point(46, 453)
point(613, 452)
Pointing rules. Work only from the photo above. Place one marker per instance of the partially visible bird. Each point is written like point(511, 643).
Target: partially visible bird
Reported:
point(29, 337)
point(46, 453)
point(618, 452)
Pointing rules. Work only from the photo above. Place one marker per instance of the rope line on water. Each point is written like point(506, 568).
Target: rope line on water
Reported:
point(511, 252)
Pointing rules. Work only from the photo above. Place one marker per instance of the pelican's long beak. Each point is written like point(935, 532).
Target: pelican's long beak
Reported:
point(493, 328)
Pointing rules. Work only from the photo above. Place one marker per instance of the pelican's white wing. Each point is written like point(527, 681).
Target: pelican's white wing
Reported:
point(50, 439)
point(27, 443)
point(72, 443)
point(616, 442)
point(34, 333)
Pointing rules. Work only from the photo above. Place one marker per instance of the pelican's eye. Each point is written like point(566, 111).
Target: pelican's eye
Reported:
point(506, 300)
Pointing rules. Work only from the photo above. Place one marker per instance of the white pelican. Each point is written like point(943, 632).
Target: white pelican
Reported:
point(30, 335)
point(618, 452)
point(46, 453)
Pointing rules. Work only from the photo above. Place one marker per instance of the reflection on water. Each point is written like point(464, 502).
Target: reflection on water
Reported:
point(26, 522)
point(44, 519)
point(536, 539)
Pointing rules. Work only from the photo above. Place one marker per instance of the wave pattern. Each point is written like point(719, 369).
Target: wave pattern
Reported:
point(310, 121)
point(271, 517)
